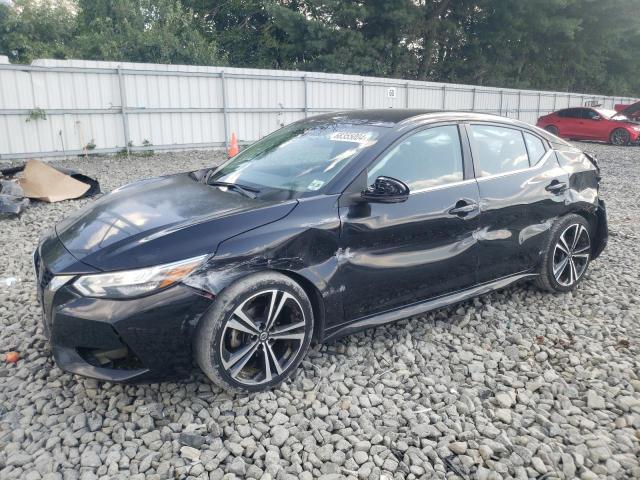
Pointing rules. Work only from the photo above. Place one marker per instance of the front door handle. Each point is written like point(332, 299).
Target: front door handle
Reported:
point(556, 187)
point(463, 207)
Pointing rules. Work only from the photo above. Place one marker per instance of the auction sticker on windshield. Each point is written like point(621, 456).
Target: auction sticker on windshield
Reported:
point(357, 137)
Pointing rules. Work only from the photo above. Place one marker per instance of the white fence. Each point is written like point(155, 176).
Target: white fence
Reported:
point(55, 108)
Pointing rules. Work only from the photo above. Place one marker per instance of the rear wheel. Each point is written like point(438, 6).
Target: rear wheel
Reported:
point(256, 334)
point(619, 137)
point(568, 254)
point(552, 129)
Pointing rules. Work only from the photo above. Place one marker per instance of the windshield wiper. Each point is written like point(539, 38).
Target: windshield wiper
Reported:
point(246, 191)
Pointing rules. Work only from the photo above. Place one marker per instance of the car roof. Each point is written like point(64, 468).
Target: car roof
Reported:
point(391, 117)
point(396, 116)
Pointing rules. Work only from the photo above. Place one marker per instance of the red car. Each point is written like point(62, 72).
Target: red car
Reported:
point(583, 123)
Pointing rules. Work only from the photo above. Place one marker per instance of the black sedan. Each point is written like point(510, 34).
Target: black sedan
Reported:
point(329, 225)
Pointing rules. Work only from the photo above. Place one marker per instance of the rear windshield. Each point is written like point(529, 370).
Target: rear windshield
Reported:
point(300, 158)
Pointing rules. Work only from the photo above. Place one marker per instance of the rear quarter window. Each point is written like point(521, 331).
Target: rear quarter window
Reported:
point(535, 148)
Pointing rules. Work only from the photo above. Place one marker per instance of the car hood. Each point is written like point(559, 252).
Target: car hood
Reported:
point(162, 220)
point(632, 110)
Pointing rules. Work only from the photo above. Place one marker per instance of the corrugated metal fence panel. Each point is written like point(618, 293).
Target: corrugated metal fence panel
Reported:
point(118, 105)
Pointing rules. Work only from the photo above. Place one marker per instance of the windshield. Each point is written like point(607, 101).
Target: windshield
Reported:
point(611, 114)
point(298, 159)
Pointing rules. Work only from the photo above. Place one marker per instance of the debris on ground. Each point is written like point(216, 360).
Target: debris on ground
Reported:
point(44, 182)
point(12, 357)
point(8, 281)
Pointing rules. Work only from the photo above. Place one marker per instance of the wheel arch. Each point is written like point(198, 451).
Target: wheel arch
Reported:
point(596, 218)
point(618, 127)
point(225, 280)
point(316, 299)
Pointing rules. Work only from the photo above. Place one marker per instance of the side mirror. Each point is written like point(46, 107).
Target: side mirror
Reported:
point(386, 190)
point(596, 117)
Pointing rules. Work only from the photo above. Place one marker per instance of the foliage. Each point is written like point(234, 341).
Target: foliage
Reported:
point(30, 29)
point(574, 45)
point(36, 114)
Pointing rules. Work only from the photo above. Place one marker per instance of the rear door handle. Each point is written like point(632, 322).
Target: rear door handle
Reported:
point(463, 207)
point(556, 187)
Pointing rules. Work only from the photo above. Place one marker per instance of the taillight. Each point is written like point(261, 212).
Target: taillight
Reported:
point(594, 161)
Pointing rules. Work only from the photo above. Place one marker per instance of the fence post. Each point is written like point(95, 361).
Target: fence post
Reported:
point(406, 95)
point(306, 97)
point(444, 96)
point(539, 101)
point(473, 99)
point(225, 115)
point(123, 110)
point(519, 102)
point(362, 93)
point(555, 100)
point(501, 100)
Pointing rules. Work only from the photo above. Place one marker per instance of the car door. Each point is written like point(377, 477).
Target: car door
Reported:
point(522, 190)
point(395, 254)
point(591, 125)
point(568, 125)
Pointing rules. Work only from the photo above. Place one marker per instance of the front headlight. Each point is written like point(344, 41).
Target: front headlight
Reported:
point(133, 283)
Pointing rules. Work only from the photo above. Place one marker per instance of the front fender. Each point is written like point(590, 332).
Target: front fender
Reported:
point(304, 244)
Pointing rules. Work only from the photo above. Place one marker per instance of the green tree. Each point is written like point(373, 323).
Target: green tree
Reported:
point(30, 30)
point(575, 45)
point(159, 31)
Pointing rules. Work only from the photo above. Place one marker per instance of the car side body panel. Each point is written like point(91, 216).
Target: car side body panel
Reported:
point(516, 213)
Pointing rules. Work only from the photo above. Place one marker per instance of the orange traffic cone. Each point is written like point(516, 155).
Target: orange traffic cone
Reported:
point(233, 148)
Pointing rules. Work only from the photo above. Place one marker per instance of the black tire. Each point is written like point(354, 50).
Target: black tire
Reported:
point(222, 333)
point(552, 129)
point(619, 137)
point(576, 266)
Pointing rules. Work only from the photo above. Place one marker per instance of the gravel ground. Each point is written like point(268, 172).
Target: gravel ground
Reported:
point(518, 383)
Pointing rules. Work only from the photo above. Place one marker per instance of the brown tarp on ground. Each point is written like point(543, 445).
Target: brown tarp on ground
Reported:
point(45, 183)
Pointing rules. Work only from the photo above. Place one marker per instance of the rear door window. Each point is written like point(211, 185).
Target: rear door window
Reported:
point(569, 113)
point(497, 150)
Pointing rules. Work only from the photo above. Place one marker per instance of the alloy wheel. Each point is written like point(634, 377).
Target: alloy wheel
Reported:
point(553, 130)
point(263, 337)
point(619, 137)
point(571, 255)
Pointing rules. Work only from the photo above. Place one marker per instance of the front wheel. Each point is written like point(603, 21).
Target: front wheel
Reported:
point(619, 137)
point(256, 334)
point(568, 254)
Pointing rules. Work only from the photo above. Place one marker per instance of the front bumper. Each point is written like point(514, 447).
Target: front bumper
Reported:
point(145, 339)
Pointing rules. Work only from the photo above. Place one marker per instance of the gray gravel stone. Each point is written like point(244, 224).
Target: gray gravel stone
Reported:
point(279, 435)
point(90, 458)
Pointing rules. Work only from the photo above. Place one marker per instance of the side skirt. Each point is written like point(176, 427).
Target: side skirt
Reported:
point(423, 307)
